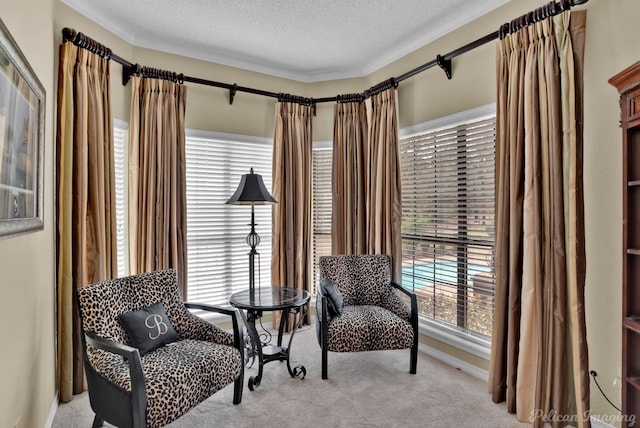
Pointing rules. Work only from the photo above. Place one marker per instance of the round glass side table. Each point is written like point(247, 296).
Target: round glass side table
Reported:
point(288, 301)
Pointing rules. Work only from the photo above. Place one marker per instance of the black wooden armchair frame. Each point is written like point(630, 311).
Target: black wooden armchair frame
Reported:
point(413, 319)
point(107, 398)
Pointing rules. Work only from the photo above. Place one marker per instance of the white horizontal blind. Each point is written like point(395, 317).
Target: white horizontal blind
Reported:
point(217, 252)
point(322, 195)
point(120, 171)
point(448, 223)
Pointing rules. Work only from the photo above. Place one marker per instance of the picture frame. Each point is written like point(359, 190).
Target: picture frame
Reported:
point(22, 121)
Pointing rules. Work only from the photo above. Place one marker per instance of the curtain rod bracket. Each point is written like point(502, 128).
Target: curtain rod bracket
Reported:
point(232, 93)
point(127, 72)
point(444, 64)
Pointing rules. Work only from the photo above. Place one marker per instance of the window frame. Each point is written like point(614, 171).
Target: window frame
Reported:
point(242, 213)
point(470, 343)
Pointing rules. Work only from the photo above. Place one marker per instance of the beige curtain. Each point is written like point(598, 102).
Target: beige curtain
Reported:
point(291, 227)
point(384, 205)
point(157, 200)
point(539, 351)
point(86, 245)
point(367, 193)
point(348, 220)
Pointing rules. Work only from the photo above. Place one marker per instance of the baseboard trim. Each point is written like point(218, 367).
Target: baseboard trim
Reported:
point(459, 364)
point(597, 423)
point(52, 412)
point(481, 374)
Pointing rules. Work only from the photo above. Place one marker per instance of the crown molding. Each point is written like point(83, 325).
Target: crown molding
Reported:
point(272, 68)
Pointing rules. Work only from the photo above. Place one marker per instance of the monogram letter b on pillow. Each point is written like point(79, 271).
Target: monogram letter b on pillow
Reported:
point(149, 328)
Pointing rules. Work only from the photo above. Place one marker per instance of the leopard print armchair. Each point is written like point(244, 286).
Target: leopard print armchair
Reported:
point(359, 308)
point(134, 384)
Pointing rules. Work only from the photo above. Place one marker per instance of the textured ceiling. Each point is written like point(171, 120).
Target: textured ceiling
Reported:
point(303, 40)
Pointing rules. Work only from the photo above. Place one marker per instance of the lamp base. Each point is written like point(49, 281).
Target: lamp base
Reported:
point(252, 270)
point(253, 239)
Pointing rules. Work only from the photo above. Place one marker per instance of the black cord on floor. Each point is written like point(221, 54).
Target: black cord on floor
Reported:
point(593, 375)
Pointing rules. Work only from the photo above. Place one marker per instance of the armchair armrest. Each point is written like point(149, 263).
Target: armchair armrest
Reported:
point(138, 386)
point(414, 306)
point(323, 316)
point(238, 337)
point(413, 319)
point(321, 307)
point(409, 294)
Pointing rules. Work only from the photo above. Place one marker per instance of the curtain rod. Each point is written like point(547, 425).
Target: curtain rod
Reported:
point(443, 61)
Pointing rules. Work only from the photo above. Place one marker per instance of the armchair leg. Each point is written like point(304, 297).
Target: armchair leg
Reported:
point(97, 422)
point(324, 332)
point(414, 359)
point(324, 363)
point(323, 346)
point(238, 384)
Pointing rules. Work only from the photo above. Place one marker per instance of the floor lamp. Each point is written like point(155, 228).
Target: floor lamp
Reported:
point(251, 191)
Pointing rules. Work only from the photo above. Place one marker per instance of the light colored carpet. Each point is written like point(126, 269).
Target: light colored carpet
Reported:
point(366, 389)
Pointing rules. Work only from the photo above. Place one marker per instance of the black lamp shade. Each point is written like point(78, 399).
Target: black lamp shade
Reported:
point(251, 191)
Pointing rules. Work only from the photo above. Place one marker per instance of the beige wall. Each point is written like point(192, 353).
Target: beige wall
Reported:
point(27, 317)
point(612, 45)
point(27, 297)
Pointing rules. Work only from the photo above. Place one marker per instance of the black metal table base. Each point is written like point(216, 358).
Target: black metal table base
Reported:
point(267, 352)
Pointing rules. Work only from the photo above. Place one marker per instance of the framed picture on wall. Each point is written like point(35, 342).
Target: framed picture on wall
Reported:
point(22, 105)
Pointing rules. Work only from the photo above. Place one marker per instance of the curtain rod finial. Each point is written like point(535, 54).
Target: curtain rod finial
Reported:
point(68, 34)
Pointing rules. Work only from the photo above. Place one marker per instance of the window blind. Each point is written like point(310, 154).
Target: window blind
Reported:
point(217, 252)
point(322, 195)
point(120, 160)
point(448, 223)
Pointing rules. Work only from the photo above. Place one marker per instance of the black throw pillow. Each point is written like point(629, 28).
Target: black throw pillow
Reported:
point(149, 328)
point(334, 299)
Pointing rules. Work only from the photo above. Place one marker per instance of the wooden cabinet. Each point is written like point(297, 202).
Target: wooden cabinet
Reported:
point(628, 84)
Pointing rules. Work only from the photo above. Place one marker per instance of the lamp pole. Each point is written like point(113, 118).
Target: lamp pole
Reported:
point(253, 239)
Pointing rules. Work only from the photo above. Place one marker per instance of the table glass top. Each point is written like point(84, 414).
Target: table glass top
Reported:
point(269, 298)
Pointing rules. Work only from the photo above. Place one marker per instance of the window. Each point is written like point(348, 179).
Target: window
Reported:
point(322, 194)
point(217, 252)
point(448, 223)
point(448, 216)
point(448, 168)
point(120, 160)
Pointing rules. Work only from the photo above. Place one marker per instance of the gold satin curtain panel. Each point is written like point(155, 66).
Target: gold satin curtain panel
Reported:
point(366, 213)
point(539, 351)
point(157, 180)
point(86, 207)
point(291, 219)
